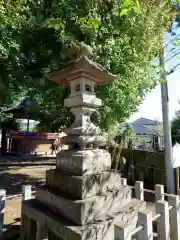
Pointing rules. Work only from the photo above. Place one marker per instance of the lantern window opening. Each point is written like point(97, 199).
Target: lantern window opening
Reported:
point(78, 87)
point(88, 88)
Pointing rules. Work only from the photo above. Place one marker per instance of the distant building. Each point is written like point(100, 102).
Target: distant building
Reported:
point(144, 126)
point(146, 133)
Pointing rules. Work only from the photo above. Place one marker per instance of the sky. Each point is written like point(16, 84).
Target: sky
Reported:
point(151, 106)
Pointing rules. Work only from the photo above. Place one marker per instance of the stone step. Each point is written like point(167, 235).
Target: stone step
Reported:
point(80, 162)
point(65, 229)
point(81, 187)
point(93, 209)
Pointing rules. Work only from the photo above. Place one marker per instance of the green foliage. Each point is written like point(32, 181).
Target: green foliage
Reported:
point(116, 136)
point(11, 125)
point(175, 127)
point(115, 133)
point(129, 6)
point(125, 36)
point(11, 22)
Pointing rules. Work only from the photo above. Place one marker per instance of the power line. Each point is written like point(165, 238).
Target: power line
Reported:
point(172, 40)
point(173, 69)
point(172, 56)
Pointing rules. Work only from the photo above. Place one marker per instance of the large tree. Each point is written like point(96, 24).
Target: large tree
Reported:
point(11, 80)
point(46, 32)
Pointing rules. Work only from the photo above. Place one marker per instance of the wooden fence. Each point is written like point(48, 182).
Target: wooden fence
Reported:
point(167, 217)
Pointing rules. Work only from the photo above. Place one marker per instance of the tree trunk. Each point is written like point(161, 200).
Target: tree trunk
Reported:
point(3, 141)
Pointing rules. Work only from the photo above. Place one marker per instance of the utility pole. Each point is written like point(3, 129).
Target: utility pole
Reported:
point(166, 125)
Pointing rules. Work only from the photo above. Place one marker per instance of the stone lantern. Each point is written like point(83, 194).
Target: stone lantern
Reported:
point(82, 75)
point(82, 198)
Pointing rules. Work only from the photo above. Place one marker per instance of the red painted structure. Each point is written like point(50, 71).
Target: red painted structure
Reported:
point(31, 142)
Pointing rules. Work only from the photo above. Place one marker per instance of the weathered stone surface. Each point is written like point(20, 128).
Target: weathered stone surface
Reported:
point(68, 231)
point(81, 187)
point(84, 140)
point(83, 162)
point(82, 124)
point(83, 99)
point(93, 209)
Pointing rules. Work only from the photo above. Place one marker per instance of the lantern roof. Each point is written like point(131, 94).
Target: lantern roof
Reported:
point(82, 67)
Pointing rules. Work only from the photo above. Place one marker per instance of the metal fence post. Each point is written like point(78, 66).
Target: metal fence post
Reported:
point(159, 192)
point(145, 220)
point(26, 192)
point(2, 209)
point(139, 187)
point(163, 229)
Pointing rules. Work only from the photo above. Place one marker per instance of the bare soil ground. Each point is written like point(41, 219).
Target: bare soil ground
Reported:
point(12, 180)
point(12, 213)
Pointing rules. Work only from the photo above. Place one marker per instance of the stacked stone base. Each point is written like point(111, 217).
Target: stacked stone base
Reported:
point(42, 223)
point(94, 209)
point(74, 205)
point(81, 187)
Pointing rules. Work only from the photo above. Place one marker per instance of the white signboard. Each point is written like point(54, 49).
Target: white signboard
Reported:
point(176, 155)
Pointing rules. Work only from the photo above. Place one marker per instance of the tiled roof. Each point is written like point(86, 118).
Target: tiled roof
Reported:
point(142, 125)
point(145, 121)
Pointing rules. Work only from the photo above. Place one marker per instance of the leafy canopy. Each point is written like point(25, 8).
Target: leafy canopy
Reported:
point(39, 36)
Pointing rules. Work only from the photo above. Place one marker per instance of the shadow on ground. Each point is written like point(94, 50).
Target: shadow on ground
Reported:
point(12, 182)
point(12, 232)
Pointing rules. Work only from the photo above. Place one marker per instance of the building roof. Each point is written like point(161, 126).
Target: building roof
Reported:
point(141, 125)
point(141, 129)
point(145, 121)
